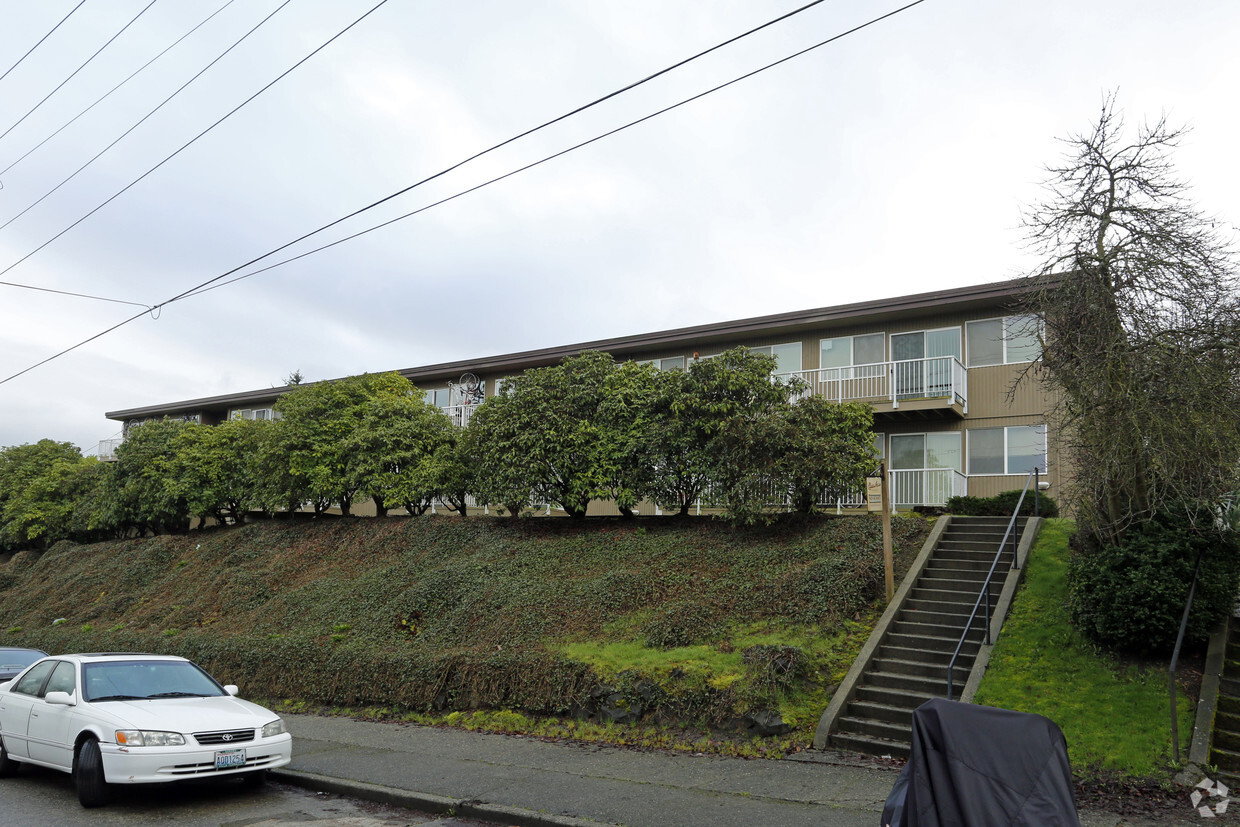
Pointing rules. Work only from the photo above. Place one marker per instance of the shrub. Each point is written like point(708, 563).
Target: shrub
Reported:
point(1002, 505)
point(682, 624)
point(1131, 597)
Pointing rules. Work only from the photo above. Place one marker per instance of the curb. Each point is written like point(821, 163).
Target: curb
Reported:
point(427, 802)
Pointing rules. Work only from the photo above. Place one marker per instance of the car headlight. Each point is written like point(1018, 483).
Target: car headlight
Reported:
point(274, 728)
point(149, 738)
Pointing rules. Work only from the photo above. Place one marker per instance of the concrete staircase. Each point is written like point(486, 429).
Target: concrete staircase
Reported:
point(909, 664)
point(1225, 743)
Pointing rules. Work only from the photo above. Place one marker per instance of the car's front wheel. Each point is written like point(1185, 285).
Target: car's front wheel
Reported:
point(7, 765)
point(88, 775)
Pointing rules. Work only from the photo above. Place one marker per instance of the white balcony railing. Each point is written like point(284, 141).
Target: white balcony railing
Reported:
point(926, 486)
point(939, 377)
point(459, 414)
point(106, 449)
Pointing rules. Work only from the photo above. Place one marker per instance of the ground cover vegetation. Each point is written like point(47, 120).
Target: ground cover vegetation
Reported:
point(1139, 313)
point(1113, 711)
point(632, 630)
point(723, 433)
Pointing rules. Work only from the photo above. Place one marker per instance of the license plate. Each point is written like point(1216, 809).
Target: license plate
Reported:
point(229, 758)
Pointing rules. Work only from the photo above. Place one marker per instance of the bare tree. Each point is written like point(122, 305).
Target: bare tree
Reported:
point(1137, 292)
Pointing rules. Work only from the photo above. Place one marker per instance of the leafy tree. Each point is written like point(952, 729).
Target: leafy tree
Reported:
point(319, 421)
point(143, 500)
point(215, 469)
point(38, 483)
point(1137, 290)
point(397, 446)
point(693, 409)
point(823, 448)
point(553, 424)
point(496, 448)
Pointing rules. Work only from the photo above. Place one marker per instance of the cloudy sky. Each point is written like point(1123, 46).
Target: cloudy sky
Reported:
point(894, 160)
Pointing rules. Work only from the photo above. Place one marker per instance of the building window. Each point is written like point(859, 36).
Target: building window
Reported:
point(440, 398)
point(668, 363)
point(1013, 450)
point(1004, 341)
point(254, 413)
point(847, 351)
point(787, 357)
point(917, 451)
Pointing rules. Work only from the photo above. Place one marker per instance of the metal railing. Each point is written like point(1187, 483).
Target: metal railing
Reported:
point(926, 486)
point(1034, 479)
point(938, 377)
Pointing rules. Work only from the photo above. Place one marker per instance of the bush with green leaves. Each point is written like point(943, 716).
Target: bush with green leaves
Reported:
point(1002, 505)
point(1131, 597)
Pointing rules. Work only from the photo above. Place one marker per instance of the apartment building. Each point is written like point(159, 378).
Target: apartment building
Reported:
point(940, 369)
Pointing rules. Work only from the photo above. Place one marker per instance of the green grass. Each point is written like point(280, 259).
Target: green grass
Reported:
point(1114, 714)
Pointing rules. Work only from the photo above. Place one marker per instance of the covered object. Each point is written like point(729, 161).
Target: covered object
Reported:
point(977, 765)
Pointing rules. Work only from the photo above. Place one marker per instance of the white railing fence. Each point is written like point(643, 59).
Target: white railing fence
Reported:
point(939, 377)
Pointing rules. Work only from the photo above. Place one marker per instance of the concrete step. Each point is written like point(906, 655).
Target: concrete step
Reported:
point(1229, 704)
point(850, 742)
point(961, 609)
point(982, 544)
point(887, 651)
point(887, 713)
point(1229, 685)
point(931, 686)
point(959, 561)
point(872, 728)
point(933, 643)
point(1225, 759)
point(908, 627)
point(961, 596)
point(890, 696)
point(953, 619)
point(1226, 739)
point(935, 671)
point(946, 570)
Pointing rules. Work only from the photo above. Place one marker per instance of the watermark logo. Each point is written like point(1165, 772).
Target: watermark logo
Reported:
point(1210, 798)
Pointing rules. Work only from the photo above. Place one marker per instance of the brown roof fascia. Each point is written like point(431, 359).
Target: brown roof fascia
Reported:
point(994, 294)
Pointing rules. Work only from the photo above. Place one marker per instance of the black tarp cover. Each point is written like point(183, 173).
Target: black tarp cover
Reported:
point(984, 767)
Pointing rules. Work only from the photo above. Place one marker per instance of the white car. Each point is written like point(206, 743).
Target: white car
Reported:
point(134, 719)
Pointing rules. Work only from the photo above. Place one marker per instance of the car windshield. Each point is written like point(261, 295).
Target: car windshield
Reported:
point(19, 658)
point(140, 680)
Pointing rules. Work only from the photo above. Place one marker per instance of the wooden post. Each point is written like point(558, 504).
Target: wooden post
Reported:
point(888, 562)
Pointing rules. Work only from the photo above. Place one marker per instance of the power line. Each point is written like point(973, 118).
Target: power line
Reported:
point(185, 146)
point(210, 284)
point(76, 295)
point(143, 119)
point(140, 69)
point(40, 43)
point(80, 68)
point(439, 174)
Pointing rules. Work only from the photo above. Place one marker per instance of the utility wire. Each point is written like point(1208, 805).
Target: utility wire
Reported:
point(210, 284)
point(40, 43)
point(117, 86)
point(77, 295)
point(80, 68)
point(143, 119)
point(132, 183)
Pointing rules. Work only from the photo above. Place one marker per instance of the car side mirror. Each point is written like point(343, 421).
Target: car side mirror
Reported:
point(59, 699)
point(231, 689)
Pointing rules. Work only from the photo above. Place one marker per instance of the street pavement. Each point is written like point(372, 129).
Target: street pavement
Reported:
point(534, 783)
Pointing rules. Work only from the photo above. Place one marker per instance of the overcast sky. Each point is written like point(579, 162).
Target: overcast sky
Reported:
point(893, 161)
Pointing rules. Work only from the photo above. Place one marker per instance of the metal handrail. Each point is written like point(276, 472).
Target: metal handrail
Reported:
point(1034, 478)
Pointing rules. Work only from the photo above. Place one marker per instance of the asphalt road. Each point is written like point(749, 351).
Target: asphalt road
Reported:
point(42, 798)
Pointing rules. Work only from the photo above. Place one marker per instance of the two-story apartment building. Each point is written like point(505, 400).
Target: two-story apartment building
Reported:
point(940, 370)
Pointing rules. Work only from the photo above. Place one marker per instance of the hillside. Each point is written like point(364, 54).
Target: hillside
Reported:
point(687, 622)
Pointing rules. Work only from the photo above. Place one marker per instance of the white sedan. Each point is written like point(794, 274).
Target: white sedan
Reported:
point(134, 719)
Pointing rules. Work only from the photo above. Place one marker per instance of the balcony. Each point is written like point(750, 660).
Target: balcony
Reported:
point(909, 388)
point(926, 486)
point(106, 450)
